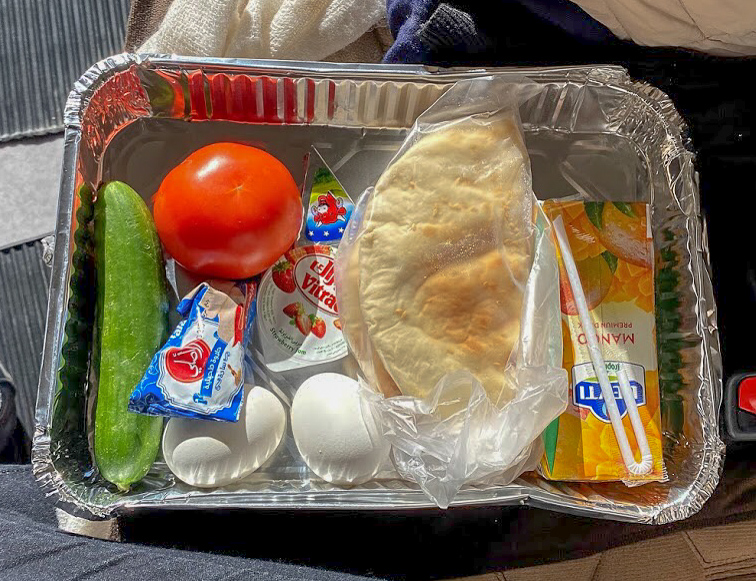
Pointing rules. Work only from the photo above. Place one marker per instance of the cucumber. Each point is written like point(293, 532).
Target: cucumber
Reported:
point(132, 324)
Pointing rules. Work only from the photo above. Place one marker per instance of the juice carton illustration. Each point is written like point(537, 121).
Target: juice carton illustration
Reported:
point(613, 250)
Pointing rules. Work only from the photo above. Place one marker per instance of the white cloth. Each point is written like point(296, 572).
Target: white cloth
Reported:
point(721, 27)
point(280, 29)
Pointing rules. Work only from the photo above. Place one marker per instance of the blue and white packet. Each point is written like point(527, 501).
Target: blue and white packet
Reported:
point(328, 207)
point(199, 372)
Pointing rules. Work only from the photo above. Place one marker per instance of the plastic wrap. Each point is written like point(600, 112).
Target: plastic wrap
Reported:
point(453, 224)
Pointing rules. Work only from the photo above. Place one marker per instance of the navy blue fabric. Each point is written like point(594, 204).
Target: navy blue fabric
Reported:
point(571, 18)
point(420, 27)
point(405, 17)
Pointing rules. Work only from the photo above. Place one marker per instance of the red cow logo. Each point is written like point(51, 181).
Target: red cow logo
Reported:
point(329, 209)
point(187, 364)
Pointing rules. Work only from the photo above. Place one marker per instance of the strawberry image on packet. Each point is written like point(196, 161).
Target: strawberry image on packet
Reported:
point(298, 318)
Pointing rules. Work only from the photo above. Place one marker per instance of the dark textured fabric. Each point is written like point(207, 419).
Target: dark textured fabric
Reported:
point(14, 443)
point(24, 282)
point(722, 552)
point(44, 48)
point(420, 544)
point(32, 549)
point(422, 27)
point(448, 25)
point(405, 19)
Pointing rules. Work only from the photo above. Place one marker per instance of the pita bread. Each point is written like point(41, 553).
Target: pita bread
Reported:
point(444, 256)
point(350, 314)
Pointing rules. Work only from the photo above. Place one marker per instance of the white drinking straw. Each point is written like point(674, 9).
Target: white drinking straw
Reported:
point(647, 459)
point(599, 367)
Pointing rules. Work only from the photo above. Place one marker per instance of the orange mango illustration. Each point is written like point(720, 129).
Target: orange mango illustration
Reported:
point(613, 252)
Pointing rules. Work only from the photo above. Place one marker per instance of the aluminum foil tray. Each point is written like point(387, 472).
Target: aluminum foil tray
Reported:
point(590, 131)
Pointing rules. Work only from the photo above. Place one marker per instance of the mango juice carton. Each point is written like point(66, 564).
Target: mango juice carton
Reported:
point(613, 250)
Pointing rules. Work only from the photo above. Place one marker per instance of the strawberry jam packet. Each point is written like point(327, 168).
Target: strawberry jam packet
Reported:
point(298, 319)
point(199, 372)
point(328, 207)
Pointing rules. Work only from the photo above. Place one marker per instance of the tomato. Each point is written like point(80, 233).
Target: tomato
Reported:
point(228, 211)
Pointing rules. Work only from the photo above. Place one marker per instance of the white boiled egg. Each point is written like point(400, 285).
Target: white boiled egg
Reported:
point(207, 453)
point(336, 431)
